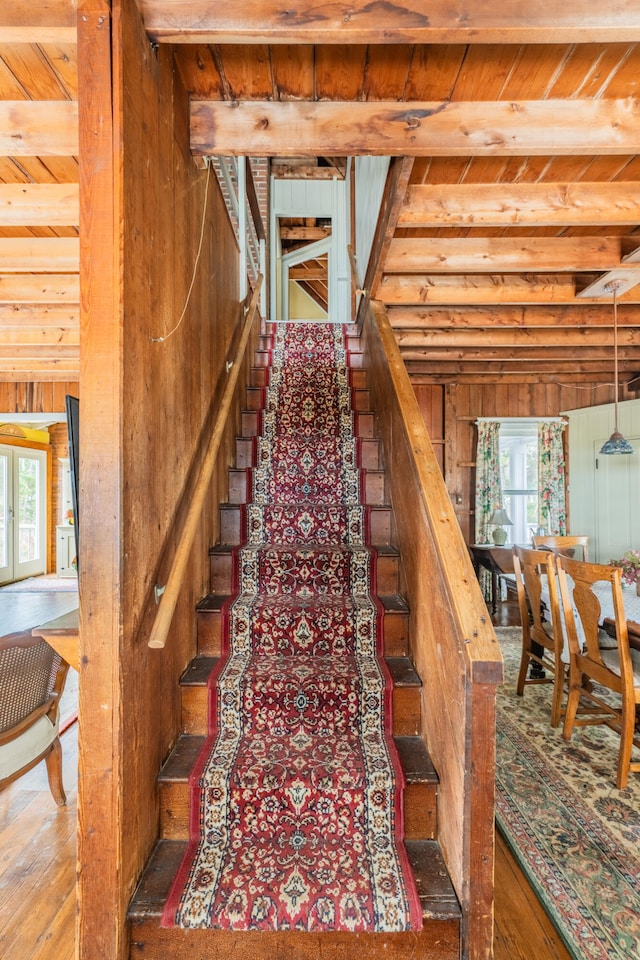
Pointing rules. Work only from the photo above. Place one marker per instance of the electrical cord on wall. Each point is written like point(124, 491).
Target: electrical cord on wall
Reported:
point(197, 260)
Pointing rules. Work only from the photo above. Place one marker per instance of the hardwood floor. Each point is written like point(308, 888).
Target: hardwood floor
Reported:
point(37, 868)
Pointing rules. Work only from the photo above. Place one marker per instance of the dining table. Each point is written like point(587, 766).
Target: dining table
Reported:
point(606, 621)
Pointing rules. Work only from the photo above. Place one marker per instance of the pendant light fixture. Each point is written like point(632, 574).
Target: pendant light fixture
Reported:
point(616, 442)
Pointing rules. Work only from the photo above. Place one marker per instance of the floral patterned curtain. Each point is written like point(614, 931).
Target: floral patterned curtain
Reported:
point(488, 487)
point(551, 478)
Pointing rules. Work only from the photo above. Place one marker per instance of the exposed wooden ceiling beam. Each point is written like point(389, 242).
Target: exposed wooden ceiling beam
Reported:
point(624, 279)
point(490, 354)
point(360, 21)
point(23, 337)
point(47, 370)
point(39, 204)
point(40, 35)
point(304, 233)
point(475, 289)
point(40, 314)
point(38, 13)
point(554, 372)
point(32, 128)
point(525, 204)
point(499, 315)
point(504, 255)
point(575, 338)
point(40, 288)
point(440, 129)
point(42, 254)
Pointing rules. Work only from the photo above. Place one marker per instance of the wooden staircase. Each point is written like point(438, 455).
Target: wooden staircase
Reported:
point(440, 936)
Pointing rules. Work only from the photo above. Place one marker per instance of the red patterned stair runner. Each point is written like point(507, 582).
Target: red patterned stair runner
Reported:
point(296, 798)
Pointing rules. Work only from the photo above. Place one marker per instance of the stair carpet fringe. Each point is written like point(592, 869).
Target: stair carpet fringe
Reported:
point(296, 809)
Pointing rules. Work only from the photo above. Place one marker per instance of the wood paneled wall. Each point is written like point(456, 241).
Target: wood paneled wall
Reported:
point(145, 409)
point(450, 412)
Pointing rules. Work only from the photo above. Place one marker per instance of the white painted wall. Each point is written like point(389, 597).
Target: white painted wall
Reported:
point(315, 198)
point(370, 178)
point(604, 491)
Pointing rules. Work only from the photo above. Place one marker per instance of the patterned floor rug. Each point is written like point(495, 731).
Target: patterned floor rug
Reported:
point(575, 835)
point(297, 797)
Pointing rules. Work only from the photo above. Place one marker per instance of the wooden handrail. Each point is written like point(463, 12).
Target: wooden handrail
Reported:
point(169, 593)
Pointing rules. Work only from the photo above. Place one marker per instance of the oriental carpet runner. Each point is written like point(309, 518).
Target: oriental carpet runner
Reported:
point(575, 835)
point(297, 796)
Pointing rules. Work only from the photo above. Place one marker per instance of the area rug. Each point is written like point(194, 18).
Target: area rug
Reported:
point(42, 584)
point(575, 835)
point(297, 797)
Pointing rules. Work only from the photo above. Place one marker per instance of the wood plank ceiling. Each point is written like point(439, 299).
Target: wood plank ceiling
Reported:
point(519, 199)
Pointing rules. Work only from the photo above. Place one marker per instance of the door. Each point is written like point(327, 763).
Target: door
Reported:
point(23, 512)
point(617, 481)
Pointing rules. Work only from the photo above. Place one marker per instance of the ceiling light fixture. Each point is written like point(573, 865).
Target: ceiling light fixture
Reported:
point(616, 442)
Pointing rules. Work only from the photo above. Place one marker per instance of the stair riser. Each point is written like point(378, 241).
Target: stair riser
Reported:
point(405, 709)
point(240, 487)
point(221, 574)
point(233, 533)
point(438, 940)
point(370, 455)
point(395, 631)
point(419, 810)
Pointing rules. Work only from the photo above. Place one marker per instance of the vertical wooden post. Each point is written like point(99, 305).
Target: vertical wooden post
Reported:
point(101, 926)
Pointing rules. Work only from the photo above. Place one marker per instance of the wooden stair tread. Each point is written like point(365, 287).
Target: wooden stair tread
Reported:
point(435, 889)
point(403, 673)
point(197, 672)
point(416, 763)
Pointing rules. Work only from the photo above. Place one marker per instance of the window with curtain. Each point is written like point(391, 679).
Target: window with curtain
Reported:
point(520, 467)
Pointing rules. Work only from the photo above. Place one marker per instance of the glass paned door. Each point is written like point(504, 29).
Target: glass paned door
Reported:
point(23, 513)
point(6, 570)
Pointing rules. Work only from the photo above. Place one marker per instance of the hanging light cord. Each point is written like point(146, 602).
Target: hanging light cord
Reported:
point(615, 355)
point(195, 265)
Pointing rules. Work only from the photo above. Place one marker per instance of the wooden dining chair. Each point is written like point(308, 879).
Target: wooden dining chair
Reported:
point(32, 678)
point(542, 639)
point(563, 545)
point(593, 668)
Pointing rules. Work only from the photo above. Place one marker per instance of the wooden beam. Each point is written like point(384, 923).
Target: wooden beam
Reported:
point(31, 255)
point(12, 371)
point(360, 21)
point(441, 129)
point(40, 314)
point(302, 273)
point(576, 338)
point(456, 290)
point(304, 233)
point(40, 288)
point(39, 204)
point(516, 354)
point(38, 128)
point(625, 277)
point(498, 315)
point(504, 255)
point(38, 13)
point(545, 373)
point(47, 337)
point(40, 35)
point(521, 204)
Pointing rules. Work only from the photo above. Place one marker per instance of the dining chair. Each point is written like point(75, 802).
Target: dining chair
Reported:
point(32, 678)
point(593, 668)
point(542, 639)
point(565, 545)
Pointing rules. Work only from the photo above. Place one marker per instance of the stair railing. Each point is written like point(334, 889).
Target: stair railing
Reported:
point(167, 594)
point(453, 644)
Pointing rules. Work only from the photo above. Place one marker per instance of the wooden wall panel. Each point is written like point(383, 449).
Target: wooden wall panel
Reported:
point(145, 407)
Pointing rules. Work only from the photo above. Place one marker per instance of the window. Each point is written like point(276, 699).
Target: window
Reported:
point(519, 478)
